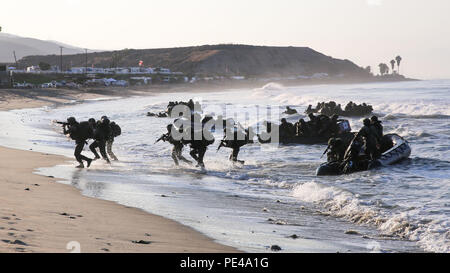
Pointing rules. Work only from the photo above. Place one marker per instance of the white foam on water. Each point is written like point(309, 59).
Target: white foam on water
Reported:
point(406, 201)
point(432, 235)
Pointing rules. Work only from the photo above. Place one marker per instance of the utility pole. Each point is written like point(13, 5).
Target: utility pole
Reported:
point(60, 59)
point(85, 64)
point(15, 59)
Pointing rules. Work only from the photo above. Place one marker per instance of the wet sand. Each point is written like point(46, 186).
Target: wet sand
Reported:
point(40, 215)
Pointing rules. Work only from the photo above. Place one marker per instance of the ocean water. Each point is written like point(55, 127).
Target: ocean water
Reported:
point(275, 194)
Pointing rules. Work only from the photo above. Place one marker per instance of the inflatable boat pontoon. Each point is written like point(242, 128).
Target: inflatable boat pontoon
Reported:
point(396, 150)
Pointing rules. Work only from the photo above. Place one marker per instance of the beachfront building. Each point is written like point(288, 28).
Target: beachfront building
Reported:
point(161, 70)
point(4, 77)
point(140, 80)
point(320, 75)
point(77, 70)
point(121, 70)
point(101, 70)
point(135, 70)
point(33, 69)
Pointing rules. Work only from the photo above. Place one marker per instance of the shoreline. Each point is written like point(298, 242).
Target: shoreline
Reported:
point(15, 98)
point(39, 215)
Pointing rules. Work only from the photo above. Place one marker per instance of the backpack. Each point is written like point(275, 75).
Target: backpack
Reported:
point(81, 131)
point(116, 130)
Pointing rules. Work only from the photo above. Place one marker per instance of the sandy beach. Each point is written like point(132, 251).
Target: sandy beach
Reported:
point(40, 215)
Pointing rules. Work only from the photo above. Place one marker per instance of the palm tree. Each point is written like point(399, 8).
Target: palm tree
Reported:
point(393, 65)
point(383, 68)
point(398, 59)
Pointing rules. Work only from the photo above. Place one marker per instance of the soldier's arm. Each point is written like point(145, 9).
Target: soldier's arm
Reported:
point(68, 129)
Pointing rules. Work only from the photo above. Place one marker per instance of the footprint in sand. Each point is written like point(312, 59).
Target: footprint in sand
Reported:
point(70, 216)
point(142, 242)
point(15, 242)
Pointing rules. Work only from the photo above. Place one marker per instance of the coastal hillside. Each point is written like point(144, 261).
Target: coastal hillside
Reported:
point(29, 46)
point(226, 60)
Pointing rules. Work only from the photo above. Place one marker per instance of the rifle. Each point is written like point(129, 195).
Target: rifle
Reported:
point(62, 123)
point(222, 143)
point(347, 151)
point(326, 150)
point(163, 138)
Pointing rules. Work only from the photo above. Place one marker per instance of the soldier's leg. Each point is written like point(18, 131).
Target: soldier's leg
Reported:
point(102, 147)
point(201, 155)
point(79, 157)
point(235, 153)
point(109, 144)
point(194, 153)
point(174, 155)
point(93, 147)
point(179, 153)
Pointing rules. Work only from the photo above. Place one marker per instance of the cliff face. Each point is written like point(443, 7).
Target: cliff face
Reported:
point(216, 60)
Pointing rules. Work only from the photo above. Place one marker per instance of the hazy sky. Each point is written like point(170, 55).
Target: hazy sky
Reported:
point(366, 32)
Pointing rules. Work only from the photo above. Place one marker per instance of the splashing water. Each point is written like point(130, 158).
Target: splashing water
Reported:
point(275, 193)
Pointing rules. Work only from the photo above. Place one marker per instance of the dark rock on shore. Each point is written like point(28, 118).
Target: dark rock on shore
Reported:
point(275, 248)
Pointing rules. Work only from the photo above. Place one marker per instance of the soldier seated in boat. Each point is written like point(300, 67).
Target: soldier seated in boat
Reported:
point(349, 106)
point(370, 136)
point(377, 126)
point(336, 149)
point(352, 159)
point(330, 127)
point(302, 128)
point(313, 124)
point(286, 129)
point(323, 125)
point(290, 111)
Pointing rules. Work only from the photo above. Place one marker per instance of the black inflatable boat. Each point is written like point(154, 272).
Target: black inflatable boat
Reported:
point(344, 133)
point(397, 149)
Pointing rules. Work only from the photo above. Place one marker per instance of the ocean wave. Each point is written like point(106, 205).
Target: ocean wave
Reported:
point(405, 116)
point(429, 163)
point(411, 132)
point(431, 235)
point(272, 86)
point(419, 110)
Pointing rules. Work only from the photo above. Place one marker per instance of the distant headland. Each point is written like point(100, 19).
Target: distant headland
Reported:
point(208, 63)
